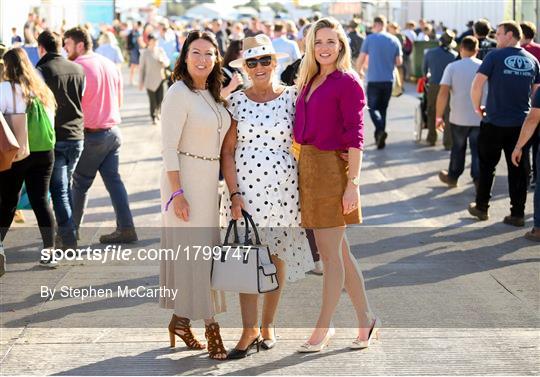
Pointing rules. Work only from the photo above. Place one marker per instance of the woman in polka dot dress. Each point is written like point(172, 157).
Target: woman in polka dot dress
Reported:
point(262, 178)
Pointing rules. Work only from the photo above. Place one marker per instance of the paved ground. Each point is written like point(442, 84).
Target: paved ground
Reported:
point(455, 296)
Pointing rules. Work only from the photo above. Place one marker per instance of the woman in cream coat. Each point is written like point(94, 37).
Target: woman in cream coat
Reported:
point(194, 123)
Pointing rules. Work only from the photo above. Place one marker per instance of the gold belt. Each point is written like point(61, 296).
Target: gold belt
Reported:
point(200, 157)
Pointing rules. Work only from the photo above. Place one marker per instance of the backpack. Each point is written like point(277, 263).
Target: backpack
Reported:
point(41, 136)
point(407, 46)
point(485, 46)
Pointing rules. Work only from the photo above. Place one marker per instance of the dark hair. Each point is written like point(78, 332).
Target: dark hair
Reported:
point(79, 34)
point(469, 43)
point(482, 27)
point(512, 27)
point(215, 78)
point(528, 29)
point(278, 26)
point(306, 29)
point(49, 41)
point(380, 20)
point(232, 52)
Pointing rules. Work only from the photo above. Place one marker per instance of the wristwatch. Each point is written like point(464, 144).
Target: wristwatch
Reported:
point(355, 181)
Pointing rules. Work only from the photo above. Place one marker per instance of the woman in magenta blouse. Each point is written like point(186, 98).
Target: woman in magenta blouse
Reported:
point(329, 122)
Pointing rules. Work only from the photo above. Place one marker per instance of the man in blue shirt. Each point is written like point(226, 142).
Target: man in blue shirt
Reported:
point(282, 44)
point(383, 51)
point(512, 74)
point(435, 61)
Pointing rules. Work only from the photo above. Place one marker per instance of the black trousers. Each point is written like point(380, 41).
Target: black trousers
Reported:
point(35, 171)
point(491, 141)
point(155, 98)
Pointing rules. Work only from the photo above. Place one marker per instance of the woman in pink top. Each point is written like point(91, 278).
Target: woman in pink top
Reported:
point(328, 122)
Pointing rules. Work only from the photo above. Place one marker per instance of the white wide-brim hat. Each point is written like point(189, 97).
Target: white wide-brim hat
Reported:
point(253, 47)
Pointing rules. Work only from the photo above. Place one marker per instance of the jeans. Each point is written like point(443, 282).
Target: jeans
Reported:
point(460, 134)
point(35, 170)
point(537, 193)
point(101, 153)
point(378, 97)
point(491, 141)
point(66, 155)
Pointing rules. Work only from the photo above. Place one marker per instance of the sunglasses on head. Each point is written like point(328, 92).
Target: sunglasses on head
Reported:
point(265, 62)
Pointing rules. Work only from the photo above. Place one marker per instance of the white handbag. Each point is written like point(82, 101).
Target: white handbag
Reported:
point(244, 268)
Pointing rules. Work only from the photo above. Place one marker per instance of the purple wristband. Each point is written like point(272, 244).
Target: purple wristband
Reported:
point(173, 195)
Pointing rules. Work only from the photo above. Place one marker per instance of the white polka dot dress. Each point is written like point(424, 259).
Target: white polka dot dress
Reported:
point(268, 177)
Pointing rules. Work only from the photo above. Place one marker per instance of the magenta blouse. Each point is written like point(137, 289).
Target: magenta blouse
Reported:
point(333, 118)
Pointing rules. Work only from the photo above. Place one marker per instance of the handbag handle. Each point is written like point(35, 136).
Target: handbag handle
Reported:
point(232, 226)
point(249, 219)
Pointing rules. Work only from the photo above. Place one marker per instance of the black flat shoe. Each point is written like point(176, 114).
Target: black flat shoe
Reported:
point(235, 353)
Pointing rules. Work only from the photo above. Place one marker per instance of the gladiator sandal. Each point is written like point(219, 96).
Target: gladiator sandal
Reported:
point(216, 349)
point(181, 326)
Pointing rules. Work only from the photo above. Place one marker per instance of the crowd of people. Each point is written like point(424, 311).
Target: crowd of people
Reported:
point(270, 108)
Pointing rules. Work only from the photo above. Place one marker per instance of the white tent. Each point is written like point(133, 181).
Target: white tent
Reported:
point(209, 11)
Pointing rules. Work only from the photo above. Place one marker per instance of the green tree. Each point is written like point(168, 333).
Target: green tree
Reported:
point(175, 9)
point(256, 4)
point(278, 8)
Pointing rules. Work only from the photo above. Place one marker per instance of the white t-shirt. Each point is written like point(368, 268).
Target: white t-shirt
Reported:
point(458, 76)
point(6, 100)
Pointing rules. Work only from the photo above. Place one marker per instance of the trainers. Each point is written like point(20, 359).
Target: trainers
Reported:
point(481, 215)
point(381, 140)
point(445, 178)
point(50, 262)
point(120, 236)
point(533, 234)
point(514, 220)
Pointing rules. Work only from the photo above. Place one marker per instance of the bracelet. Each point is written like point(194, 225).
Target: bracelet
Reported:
point(235, 193)
point(173, 195)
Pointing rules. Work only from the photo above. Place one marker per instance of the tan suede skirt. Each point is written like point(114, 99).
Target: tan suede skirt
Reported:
point(323, 179)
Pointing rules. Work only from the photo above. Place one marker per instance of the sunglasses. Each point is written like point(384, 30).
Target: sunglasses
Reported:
point(265, 62)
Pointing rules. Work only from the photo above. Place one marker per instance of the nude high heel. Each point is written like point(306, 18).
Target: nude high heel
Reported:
point(373, 333)
point(307, 347)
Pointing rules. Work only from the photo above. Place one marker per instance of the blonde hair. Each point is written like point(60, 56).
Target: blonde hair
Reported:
point(309, 66)
point(108, 37)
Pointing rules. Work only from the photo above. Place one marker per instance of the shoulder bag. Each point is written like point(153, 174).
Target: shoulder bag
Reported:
point(8, 145)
